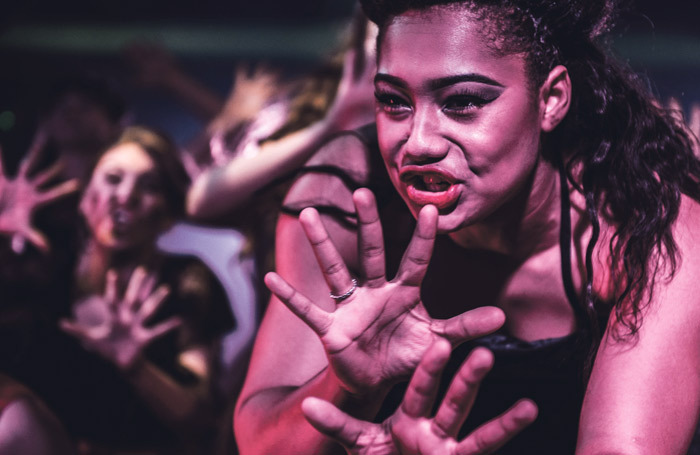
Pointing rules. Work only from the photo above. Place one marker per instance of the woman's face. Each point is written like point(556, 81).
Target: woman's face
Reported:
point(458, 125)
point(124, 204)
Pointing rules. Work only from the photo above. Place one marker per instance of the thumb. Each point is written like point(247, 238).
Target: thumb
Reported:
point(333, 422)
point(472, 324)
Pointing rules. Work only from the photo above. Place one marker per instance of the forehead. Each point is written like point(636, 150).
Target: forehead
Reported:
point(129, 157)
point(444, 41)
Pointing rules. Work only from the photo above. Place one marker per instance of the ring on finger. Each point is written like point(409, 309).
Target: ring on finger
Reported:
point(347, 294)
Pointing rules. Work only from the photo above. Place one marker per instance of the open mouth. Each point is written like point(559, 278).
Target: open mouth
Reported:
point(434, 188)
point(121, 219)
point(429, 182)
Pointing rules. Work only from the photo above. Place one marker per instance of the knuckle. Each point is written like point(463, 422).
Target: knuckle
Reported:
point(419, 260)
point(334, 268)
point(372, 251)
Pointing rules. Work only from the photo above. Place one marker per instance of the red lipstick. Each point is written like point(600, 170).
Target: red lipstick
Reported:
point(430, 186)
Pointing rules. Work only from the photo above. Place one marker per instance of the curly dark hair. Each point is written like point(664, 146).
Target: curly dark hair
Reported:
point(629, 157)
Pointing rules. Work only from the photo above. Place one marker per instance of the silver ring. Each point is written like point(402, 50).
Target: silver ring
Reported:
point(347, 294)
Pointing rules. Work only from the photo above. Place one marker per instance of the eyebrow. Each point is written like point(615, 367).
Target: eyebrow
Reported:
point(436, 84)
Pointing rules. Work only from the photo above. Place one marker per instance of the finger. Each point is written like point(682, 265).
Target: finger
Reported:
point(317, 319)
point(37, 239)
point(34, 152)
point(417, 257)
point(349, 68)
point(420, 394)
point(47, 174)
point(332, 265)
point(59, 191)
point(134, 287)
point(462, 392)
point(371, 238)
point(153, 303)
point(333, 422)
point(494, 434)
point(111, 287)
point(18, 243)
point(147, 287)
point(76, 330)
point(472, 324)
point(163, 328)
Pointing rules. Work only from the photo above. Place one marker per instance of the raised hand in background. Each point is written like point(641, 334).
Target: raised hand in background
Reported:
point(115, 326)
point(22, 195)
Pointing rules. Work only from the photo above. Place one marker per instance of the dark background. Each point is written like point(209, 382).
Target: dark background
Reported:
point(39, 39)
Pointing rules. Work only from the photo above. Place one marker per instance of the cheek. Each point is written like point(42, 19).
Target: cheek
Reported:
point(390, 134)
point(155, 210)
point(89, 205)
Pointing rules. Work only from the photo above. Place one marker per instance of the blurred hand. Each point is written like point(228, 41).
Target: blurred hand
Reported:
point(411, 430)
point(354, 99)
point(21, 196)
point(115, 327)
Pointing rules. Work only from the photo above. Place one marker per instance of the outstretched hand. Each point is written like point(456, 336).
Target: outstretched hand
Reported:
point(22, 196)
point(411, 430)
point(378, 334)
point(115, 327)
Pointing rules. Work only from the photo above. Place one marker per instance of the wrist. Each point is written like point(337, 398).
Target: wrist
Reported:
point(132, 367)
point(359, 392)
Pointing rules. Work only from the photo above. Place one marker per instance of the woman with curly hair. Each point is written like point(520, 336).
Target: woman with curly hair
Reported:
point(557, 208)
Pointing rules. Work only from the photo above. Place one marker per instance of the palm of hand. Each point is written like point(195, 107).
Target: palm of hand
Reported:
point(18, 200)
point(119, 336)
point(379, 335)
point(116, 327)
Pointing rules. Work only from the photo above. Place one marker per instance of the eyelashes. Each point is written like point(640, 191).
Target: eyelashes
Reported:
point(457, 103)
point(391, 102)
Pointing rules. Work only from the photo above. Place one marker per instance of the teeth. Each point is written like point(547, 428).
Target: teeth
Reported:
point(434, 183)
point(119, 217)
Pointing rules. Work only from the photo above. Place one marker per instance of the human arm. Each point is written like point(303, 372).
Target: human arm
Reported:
point(369, 341)
point(224, 188)
point(643, 396)
point(116, 327)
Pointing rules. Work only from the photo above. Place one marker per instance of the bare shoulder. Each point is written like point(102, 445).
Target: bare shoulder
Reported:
point(653, 372)
point(686, 230)
point(330, 175)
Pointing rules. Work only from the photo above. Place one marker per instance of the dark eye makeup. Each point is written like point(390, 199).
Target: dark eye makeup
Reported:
point(464, 101)
point(456, 102)
point(390, 102)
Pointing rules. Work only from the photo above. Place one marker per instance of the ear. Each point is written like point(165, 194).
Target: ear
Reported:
point(555, 98)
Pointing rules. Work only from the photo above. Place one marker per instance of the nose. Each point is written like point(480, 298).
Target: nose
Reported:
point(424, 143)
point(126, 194)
